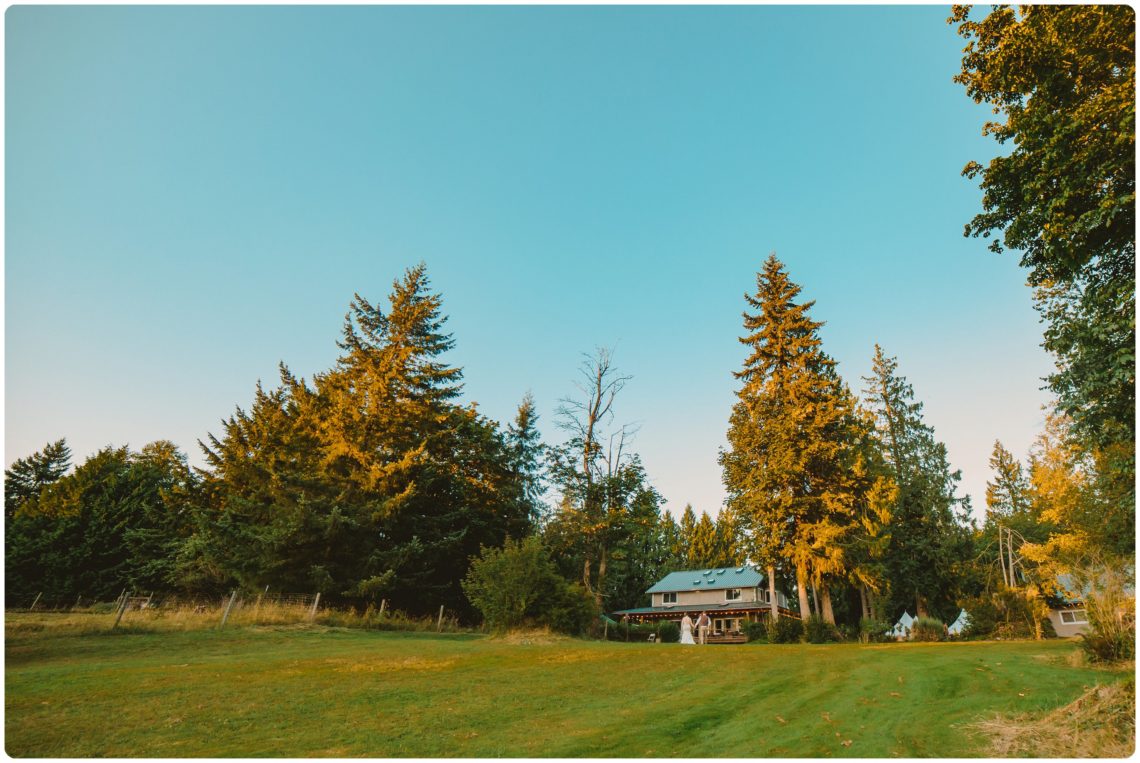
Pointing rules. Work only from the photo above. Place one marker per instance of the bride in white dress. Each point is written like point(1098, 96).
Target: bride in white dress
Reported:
point(687, 630)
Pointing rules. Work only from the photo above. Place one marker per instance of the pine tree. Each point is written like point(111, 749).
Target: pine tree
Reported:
point(703, 545)
point(790, 441)
point(687, 530)
point(528, 455)
point(728, 551)
point(370, 481)
point(929, 537)
point(27, 477)
point(1007, 495)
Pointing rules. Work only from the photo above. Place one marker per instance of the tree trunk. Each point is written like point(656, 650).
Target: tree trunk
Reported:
point(1001, 555)
point(586, 574)
point(814, 600)
point(864, 604)
point(825, 604)
point(801, 587)
point(601, 580)
point(772, 594)
point(919, 605)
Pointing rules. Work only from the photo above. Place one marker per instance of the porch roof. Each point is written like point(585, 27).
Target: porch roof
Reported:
point(712, 610)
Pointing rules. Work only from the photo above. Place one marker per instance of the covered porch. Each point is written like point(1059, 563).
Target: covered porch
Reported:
point(727, 620)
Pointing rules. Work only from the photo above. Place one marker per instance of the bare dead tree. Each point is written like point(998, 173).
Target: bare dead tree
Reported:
point(586, 418)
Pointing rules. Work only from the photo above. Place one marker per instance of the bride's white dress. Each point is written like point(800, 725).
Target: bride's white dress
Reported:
point(687, 633)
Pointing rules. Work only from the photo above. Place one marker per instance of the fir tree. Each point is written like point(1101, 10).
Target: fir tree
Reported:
point(703, 545)
point(27, 477)
point(929, 538)
point(790, 441)
point(528, 455)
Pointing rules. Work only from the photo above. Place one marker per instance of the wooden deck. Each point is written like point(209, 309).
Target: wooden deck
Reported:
point(726, 638)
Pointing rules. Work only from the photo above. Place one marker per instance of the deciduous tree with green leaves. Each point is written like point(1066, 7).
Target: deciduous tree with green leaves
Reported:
point(1062, 81)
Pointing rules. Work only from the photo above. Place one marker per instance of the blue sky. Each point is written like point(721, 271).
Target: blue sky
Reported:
point(194, 194)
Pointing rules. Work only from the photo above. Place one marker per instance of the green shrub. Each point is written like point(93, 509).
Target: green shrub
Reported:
point(756, 631)
point(518, 585)
point(668, 632)
point(927, 629)
point(786, 630)
point(1007, 614)
point(1108, 648)
point(872, 631)
point(819, 631)
point(571, 609)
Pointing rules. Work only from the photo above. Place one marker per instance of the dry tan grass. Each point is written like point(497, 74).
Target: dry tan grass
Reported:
point(187, 617)
point(1101, 723)
point(531, 636)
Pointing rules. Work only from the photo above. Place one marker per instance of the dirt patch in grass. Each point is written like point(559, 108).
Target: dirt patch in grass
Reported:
point(1101, 723)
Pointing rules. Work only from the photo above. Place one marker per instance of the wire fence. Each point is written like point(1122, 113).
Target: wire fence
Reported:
point(156, 611)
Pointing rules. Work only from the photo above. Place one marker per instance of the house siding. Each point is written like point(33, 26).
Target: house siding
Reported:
point(711, 596)
point(1065, 630)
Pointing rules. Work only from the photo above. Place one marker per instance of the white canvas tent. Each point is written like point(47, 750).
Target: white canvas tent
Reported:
point(960, 624)
point(902, 627)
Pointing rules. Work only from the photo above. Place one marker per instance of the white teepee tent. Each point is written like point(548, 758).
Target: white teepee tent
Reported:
point(960, 624)
point(903, 626)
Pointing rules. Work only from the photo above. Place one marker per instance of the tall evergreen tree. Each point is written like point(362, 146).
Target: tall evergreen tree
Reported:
point(1007, 494)
point(27, 477)
point(790, 441)
point(687, 529)
point(929, 536)
point(528, 456)
point(371, 481)
point(703, 544)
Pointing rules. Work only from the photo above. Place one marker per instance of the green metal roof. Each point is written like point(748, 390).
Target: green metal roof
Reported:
point(710, 579)
point(712, 609)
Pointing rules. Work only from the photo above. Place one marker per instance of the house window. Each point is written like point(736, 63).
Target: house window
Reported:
point(1076, 616)
point(669, 598)
point(732, 594)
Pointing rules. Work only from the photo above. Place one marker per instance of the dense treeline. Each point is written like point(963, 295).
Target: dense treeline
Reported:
point(373, 480)
point(369, 481)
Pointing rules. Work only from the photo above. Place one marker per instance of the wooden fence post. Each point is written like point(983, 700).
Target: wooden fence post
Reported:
point(383, 603)
point(36, 601)
point(122, 609)
point(313, 611)
point(226, 614)
point(439, 622)
point(146, 604)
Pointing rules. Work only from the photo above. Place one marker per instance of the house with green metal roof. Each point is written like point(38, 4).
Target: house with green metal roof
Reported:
point(730, 596)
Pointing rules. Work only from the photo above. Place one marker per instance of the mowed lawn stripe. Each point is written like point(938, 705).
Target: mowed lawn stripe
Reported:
point(357, 693)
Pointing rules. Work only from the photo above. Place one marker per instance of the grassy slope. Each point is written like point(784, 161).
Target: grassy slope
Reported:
point(345, 693)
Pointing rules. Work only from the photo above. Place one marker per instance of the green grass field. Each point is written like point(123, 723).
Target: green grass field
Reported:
point(312, 691)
